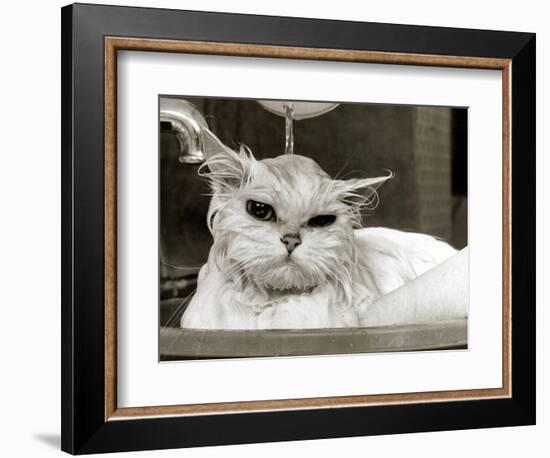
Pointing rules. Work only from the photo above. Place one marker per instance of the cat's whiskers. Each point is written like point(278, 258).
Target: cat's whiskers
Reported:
point(176, 315)
point(174, 266)
point(337, 176)
point(238, 266)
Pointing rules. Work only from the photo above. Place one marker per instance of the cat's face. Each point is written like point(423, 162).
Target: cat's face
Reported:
point(283, 223)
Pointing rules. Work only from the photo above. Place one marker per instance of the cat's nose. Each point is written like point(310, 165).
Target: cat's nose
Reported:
point(291, 241)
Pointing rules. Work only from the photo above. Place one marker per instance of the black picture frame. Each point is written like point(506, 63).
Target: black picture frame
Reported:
point(84, 426)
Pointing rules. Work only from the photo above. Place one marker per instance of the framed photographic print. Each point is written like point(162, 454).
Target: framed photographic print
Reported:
point(270, 221)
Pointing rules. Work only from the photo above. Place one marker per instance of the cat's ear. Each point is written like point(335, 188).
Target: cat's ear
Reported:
point(367, 183)
point(361, 191)
point(226, 169)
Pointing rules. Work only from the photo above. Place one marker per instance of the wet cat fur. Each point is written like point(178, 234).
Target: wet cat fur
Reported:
point(252, 281)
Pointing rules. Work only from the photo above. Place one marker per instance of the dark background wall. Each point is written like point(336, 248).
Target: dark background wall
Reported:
point(425, 147)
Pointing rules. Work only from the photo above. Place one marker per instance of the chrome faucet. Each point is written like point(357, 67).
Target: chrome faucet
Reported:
point(187, 123)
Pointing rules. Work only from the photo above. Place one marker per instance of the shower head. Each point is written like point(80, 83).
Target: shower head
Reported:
point(300, 110)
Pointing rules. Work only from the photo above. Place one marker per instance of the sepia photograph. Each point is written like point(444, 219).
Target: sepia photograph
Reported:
point(294, 227)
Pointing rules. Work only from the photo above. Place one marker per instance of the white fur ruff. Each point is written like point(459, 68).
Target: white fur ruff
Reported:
point(385, 260)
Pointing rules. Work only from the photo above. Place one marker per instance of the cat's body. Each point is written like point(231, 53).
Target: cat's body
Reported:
point(288, 251)
point(387, 259)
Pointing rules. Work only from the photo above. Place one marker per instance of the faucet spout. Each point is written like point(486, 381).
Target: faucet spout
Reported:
point(187, 124)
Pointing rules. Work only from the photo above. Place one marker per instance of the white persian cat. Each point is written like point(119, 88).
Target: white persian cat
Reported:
point(288, 249)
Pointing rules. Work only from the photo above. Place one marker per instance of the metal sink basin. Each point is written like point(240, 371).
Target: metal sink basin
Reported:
point(184, 344)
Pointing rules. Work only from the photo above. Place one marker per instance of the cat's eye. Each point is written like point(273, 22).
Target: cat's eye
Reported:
point(260, 210)
point(321, 220)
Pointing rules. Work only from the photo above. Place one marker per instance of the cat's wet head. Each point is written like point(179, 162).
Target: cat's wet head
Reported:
point(283, 223)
